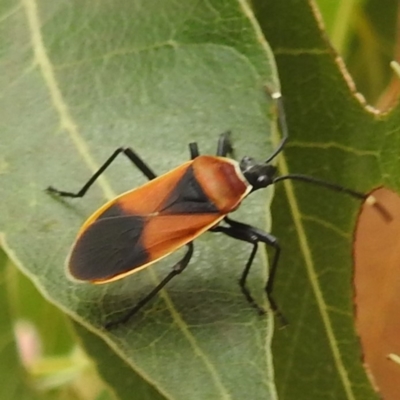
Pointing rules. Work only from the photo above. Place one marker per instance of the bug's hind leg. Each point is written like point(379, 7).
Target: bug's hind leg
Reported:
point(176, 270)
point(128, 152)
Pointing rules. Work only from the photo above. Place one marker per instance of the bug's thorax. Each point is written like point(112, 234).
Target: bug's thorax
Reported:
point(222, 180)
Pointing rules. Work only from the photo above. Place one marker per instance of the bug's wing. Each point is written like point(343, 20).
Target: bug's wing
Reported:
point(108, 247)
point(111, 248)
point(144, 200)
point(167, 233)
point(142, 226)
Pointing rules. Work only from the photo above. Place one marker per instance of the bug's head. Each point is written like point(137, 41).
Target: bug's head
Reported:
point(258, 175)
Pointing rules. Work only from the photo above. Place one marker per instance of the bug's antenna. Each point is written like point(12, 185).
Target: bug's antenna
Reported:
point(370, 199)
point(277, 97)
point(320, 182)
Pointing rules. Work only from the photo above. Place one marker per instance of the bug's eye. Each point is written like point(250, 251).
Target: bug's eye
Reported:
point(261, 179)
point(247, 163)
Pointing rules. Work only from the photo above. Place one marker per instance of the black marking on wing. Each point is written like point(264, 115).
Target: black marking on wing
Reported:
point(113, 211)
point(110, 246)
point(188, 197)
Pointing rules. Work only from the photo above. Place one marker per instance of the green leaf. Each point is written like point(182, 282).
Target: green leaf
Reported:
point(15, 381)
point(334, 136)
point(339, 19)
point(80, 79)
point(48, 364)
point(363, 32)
point(114, 370)
point(51, 324)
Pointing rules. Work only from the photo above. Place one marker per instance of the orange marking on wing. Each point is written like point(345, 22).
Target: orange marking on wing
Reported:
point(145, 199)
point(166, 233)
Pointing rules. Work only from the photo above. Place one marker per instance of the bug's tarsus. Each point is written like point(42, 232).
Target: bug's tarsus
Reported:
point(176, 270)
point(128, 152)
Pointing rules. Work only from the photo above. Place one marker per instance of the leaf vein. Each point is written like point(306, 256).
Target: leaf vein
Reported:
point(313, 277)
point(66, 120)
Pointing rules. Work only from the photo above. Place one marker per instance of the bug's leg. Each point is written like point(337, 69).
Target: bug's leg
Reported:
point(194, 150)
point(252, 235)
point(128, 152)
point(240, 235)
point(176, 270)
point(259, 235)
point(224, 144)
point(245, 236)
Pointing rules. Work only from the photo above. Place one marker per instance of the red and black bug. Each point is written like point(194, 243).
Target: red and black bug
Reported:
point(146, 224)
